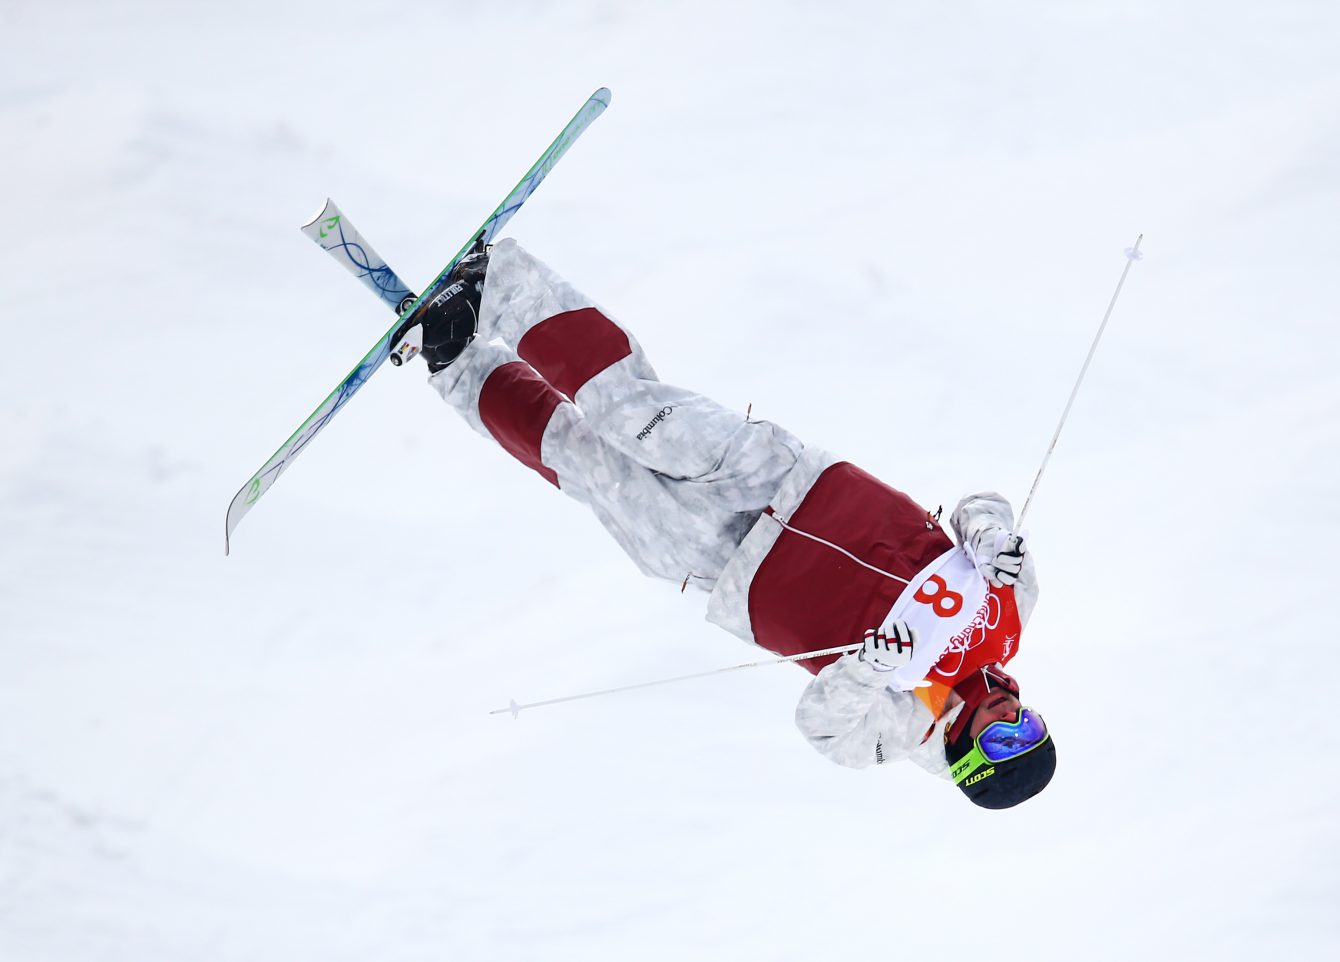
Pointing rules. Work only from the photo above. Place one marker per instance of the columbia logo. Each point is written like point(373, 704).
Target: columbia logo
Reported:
point(661, 415)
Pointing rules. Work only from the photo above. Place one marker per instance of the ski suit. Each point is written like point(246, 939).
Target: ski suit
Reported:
point(798, 549)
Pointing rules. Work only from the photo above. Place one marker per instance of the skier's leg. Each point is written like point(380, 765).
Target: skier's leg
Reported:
point(503, 398)
point(550, 324)
point(591, 359)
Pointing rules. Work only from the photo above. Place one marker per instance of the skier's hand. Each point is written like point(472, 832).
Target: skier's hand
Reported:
point(1004, 567)
point(883, 653)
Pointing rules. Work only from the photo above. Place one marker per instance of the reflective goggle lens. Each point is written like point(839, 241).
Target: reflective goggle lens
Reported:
point(1003, 740)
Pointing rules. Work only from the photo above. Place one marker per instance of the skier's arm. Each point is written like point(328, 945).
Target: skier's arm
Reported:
point(851, 717)
point(976, 522)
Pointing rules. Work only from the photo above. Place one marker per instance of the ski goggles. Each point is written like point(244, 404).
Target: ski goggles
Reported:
point(1001, 741)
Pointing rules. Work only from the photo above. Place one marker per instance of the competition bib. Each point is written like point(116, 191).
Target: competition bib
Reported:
point(961, 621)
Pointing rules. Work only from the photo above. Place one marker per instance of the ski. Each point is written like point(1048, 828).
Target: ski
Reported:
point(336, 235)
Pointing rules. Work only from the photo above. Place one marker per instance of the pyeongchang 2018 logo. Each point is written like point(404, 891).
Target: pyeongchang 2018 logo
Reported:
point(661, 415)
point(973, 634)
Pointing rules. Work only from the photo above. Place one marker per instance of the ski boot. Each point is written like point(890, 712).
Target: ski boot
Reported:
point(445, 325)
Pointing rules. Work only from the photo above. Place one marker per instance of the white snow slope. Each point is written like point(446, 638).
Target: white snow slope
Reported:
point(892, 228)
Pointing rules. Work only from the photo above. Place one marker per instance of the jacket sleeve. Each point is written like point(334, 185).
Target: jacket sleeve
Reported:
point(851, 717)
point(975, 522)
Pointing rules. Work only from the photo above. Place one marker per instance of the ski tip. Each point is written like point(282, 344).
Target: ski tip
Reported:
point(603, 95)
point(318, 215)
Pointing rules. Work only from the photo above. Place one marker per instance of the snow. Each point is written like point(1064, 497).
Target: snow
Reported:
point(890, 228)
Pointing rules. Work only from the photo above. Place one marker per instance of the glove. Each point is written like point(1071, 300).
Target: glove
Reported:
point(1004, 567)
point(885, 654)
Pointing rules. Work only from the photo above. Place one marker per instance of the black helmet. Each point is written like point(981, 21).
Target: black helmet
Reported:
point(1006, 784)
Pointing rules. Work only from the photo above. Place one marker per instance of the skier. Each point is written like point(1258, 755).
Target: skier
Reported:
point(798, 549)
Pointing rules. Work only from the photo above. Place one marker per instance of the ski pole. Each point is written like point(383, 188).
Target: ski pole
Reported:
point(1132, 255)
point(516, 709)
